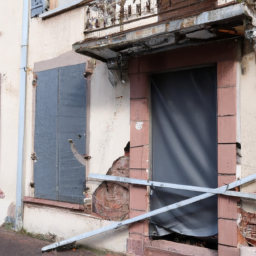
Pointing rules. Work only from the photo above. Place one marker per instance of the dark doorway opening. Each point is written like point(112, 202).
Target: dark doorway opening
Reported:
point(184, 151)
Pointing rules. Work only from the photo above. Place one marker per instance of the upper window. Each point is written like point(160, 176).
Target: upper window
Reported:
point(40, 6)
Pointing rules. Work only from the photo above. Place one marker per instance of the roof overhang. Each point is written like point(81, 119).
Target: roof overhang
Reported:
point(164, 36)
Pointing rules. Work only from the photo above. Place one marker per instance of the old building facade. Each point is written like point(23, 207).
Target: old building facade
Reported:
point(176, 79)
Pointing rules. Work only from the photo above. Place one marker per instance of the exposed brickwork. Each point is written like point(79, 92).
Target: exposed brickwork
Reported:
point(111, 200)
point(227, 232)
point(227, 158)
point(246, 227)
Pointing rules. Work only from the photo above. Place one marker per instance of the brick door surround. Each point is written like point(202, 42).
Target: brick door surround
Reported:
point(224, 54)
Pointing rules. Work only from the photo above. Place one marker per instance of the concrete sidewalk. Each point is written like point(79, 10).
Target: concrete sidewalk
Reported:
point(16, 244)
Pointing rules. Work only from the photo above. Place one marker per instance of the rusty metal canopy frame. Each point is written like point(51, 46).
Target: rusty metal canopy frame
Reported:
point(165, 36)
point(116, 225)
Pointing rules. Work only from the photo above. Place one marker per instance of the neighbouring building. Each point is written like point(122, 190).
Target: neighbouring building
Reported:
point(80, 79)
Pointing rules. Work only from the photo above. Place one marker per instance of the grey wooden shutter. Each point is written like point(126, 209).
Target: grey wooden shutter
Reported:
point(46, 122)
point(72, 125)
point(64, 97)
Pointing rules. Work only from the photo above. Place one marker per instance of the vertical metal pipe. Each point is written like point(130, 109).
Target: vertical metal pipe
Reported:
point(22, 97)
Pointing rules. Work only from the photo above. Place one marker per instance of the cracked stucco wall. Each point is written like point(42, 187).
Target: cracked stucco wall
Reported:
point(248, 118)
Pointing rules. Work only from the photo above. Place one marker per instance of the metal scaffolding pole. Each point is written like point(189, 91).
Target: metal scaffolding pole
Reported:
point(148, 214)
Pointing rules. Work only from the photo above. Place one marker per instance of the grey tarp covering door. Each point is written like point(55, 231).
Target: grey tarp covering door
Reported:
point(184, 148)
point(60, 116)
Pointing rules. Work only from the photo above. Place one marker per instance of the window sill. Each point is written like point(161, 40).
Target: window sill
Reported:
point(63, 8)
point(27, 199)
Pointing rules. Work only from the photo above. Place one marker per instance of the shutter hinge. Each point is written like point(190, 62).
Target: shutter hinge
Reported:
point(33, 157)
point(32, 184)
point(34, 81)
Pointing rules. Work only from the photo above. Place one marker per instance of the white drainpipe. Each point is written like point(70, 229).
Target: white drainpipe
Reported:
point(22, 101)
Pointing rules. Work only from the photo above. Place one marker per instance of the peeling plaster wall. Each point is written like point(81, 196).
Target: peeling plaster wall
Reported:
point(109, 128)
point(109, 121)
point(248, 118)
point(10, 37)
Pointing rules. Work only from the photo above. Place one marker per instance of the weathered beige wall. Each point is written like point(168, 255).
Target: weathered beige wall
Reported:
point(109, 121)
point(10, 38)
point(65, 224)
point(109, 128)
point(248, 118)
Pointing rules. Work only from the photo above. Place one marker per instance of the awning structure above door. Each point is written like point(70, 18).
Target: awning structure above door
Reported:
point(116, 48)
point(223, 23)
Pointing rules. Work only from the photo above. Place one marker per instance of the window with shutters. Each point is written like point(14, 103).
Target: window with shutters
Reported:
point(40, 6)
point(60, 115)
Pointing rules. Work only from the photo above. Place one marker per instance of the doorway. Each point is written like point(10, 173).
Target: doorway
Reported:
point(184, 149)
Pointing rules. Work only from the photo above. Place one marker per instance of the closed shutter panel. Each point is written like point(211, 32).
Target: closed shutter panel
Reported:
point(64, 97)
point(72, 125)
point(45, 169)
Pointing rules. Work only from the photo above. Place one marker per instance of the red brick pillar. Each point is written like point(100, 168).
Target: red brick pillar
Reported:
point(139, 155)
point(227, 206)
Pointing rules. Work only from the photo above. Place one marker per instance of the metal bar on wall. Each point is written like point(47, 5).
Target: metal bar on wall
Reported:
point(218, 191)
point(148, 214)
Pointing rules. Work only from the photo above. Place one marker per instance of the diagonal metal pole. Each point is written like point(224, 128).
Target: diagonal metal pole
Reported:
point(146, 215)
point(217, 191)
